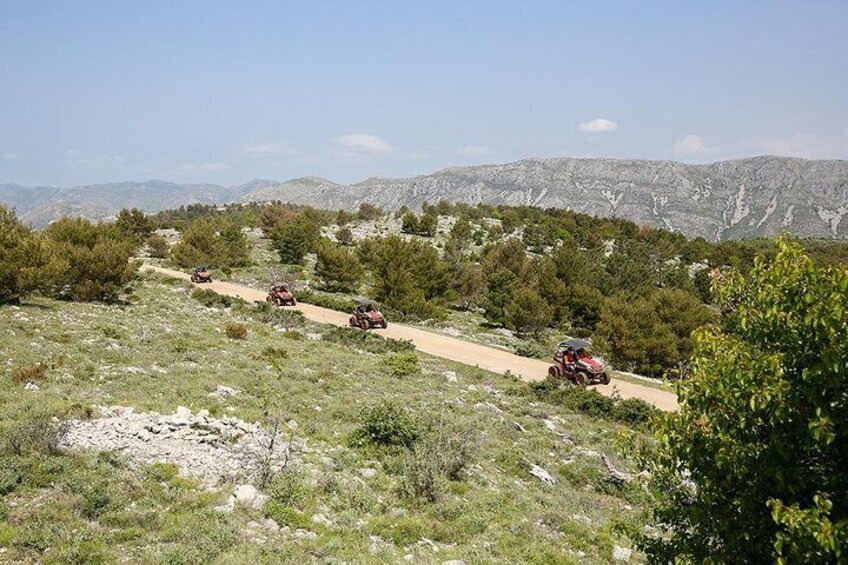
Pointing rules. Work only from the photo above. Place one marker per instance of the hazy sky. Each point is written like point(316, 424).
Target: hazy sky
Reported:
point(229, 91)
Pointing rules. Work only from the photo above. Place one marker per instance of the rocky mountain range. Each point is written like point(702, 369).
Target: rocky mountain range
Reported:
point(755, 197)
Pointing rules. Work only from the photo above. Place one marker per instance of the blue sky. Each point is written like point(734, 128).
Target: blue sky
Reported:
point(229, 91)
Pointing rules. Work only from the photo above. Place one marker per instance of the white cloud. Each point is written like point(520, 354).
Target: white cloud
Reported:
point(10, 156)
point(692, 146)
point(473, 150)
point(265, 150)
point(186, 168)
point(361, 144)
point(598, 125)
point(82, 160)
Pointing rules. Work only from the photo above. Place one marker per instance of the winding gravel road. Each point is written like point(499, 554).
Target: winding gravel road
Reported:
point(446, 347)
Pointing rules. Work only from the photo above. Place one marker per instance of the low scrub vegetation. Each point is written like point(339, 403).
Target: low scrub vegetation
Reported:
point(366, 341)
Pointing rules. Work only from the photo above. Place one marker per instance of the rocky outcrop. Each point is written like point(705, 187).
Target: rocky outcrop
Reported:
point(210, 449)
point(757, 197)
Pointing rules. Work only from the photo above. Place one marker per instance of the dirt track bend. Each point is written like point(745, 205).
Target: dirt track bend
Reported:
point(473, 354)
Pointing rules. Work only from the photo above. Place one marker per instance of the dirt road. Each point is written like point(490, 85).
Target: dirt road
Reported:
point(446, 347)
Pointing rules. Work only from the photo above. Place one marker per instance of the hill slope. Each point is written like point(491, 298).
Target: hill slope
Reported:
point(757, 197)
point(732, 199)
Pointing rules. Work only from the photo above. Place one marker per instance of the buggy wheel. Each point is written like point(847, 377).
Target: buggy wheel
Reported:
point(293, 302)
point(384, 324)
point(554, 373)
point(364, 324)
point(352, 322)
point(580, 378)
point(605, 378)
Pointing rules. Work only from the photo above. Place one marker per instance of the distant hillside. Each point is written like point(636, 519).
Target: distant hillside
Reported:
point(732, 199)
point(40, 205)
point(756, 197)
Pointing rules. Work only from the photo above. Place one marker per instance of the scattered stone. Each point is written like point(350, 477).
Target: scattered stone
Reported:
point(32, 387)
point(450, 376)
point(542, 475)
point(519, 427)
point(323, 520)
point(305, 534)
point(621, 553)
point(454, 562)
point(377, 544)
point(247, 495)
point(223, 391)
point(367, 472)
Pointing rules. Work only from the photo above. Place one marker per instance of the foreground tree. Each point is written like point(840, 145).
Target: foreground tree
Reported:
point(22, 259)
point(95, 260)
point(754, 467)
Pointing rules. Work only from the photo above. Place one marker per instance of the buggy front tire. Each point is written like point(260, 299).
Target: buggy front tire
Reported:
point(605, 378)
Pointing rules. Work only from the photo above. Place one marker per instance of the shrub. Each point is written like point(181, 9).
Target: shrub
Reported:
point(635, 412)
point(422, 476)
point(344, 236)
point(366, 341)
point(236, 331)
point(33, 436)
point(532, 349)
point(387, 424)
point(287, 488)
point(29, 373)
point(401, 364)
point(212, 299)
point(325, 300)
point(267, 313)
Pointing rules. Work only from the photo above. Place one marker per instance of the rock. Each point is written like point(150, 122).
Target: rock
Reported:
point(323, 520)
point(367, 473)
point(32, 387)
point(454, 562)
point(542, 475)
point(519, 427)
point(450, 376)
point(305, 534)
point(222, 391)
point(621, 553)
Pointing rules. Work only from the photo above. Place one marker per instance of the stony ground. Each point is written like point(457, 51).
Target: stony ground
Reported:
point(164, 417)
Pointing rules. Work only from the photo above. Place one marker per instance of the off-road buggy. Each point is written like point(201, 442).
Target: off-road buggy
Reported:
point(572, 362)
point(201, 275)
point(367, 315)
point(280, 295)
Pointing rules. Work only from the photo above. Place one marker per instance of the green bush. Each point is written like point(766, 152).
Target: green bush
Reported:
point(632, 411)
point(236, 331)
point(386, 424)
point(401, 364)
point(366, 341)
point(212, 299)
point(157, 246)
point(325, 300)
point(532, 349)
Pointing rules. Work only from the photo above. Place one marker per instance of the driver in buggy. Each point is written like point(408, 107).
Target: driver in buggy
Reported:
point(566, 355)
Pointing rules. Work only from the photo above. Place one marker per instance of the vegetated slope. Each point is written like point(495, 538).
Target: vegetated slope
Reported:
point(757, 197)
point(342, 500)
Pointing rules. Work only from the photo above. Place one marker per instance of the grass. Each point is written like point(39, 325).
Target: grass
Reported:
point(164, 348)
